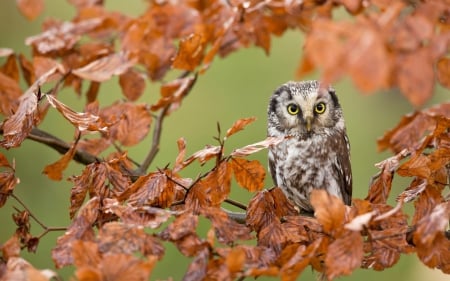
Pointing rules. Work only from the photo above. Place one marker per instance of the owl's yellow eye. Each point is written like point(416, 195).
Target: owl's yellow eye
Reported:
point(320, 108)
point(293, 109)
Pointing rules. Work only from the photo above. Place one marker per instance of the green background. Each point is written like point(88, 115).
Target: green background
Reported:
point(235, 87)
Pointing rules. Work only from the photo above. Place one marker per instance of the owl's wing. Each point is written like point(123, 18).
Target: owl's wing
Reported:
point(344, 169)
point(272, 167)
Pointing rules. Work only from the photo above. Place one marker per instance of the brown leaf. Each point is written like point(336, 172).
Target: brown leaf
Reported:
point(61, 37)
point(190, 52)
point(436, 253)
point(85, 253)
point(418, 165)
point(55, 170)
point(17, 127)
point(10, 68)
point(120, 238)
point(31, 9)
point(10, 93)
point(344, 255)
point(178, 166)
point(80, 229)
point(249, 174)
point(8, 179)
point(94, 146)
point(255, 147)
point(329, 211)
point(197, 269)
point(154, 189)
point(81, 120)
point(443, 72)
point(11, 248)
point(172, 93)
point(27, 70)
point(204, 155)
point(138, 216)
point(295, 258)
point(104, 68)
point(381, 184)
point(19, 269)
point(42, 65)
point(130, 123)
point(227, 230)
point(417, 67)
point(239, 125)
point(433, 224)
point(132, 84)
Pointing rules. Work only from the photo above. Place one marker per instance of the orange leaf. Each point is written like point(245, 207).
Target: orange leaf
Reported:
point(104, 68)
point(31, 9)
point(153, 189)
point(190, 53)
point(344, 255)
point(329, 210)
point(81, 120)
point(55, 170)
point(172, 93)
point(255, 147)
point(239, 125)
point(132, 84)
point(249, 174)
point(443, 72)
point(130, 122)
point(203, 155)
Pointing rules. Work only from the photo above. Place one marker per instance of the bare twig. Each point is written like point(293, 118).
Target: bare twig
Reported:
point(155, 141)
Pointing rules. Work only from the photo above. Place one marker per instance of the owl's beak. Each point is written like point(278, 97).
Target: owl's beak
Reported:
point(308, 120)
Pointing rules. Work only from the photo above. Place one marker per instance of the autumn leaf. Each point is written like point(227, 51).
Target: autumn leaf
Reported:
point(239, 125)
point(55, 170)
point(329, 211)
point(249, 174)
point(443, 72)
point(172, 93)
point(104, 68)
point(31, 9)
point(344, 255)
point(154, 189)
point(120, 238)
point(204, 155)
point(255, 147)
point(83, 121)
point(227, 230)
point(132, 84)
point(190, 52)
point(8, 179)
point(128, 123)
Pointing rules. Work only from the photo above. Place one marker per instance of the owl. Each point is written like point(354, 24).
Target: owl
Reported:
point(315, 153)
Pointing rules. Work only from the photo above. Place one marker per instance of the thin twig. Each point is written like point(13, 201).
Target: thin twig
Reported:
point(155, 141)
point(236, 204)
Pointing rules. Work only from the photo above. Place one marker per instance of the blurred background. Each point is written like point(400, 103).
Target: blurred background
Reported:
point(235, 87)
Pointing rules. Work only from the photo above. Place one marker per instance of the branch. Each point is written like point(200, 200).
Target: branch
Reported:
point(155, 142)
point(61, 146)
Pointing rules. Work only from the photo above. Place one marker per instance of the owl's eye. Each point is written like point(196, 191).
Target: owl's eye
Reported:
point(293, 109)
point(320, 108)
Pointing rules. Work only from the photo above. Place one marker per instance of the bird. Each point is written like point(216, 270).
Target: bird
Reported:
point(315, 151)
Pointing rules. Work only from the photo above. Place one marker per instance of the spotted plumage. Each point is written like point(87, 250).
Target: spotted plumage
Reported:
point(316, 152)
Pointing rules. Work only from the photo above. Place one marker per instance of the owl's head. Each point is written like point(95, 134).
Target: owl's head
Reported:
point(303, 109)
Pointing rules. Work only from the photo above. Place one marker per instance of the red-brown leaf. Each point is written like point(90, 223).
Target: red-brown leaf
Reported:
point(329, 210)
point(130, 123)
point(120, 238)
point(249, 174)
point(344, 255)
point(132, 84)
point(203, 155)
point(443, 72)
point(83, 121)
point(172, 93)
point(31, 9)
point(104, 68)
point(55, 170)
point(190, 52)
point(227, 230)
point(8, 179)
point(154, 189)
point(10, 68)
point(9, 95)
point(239, 125)
point(255, 147)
